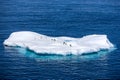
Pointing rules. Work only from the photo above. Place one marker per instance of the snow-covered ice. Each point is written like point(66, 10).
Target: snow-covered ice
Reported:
point(43, 44)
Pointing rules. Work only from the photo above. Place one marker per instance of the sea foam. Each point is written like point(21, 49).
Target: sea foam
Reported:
point(43, 44)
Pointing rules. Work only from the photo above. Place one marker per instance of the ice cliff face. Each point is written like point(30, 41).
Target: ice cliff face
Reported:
point(58, 45)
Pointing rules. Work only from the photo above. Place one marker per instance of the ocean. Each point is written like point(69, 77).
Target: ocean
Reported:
point(72, 18)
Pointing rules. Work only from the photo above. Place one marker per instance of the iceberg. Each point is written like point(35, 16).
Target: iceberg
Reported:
point(43, 44)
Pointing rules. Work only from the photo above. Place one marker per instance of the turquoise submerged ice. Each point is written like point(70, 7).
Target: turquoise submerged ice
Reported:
point(58, 45)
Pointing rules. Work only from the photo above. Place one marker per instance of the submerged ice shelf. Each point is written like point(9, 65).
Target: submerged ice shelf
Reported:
point(43, 44)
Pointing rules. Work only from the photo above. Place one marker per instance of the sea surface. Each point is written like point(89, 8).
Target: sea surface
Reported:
point(72, 18)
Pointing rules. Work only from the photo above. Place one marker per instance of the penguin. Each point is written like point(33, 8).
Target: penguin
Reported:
point(64, 43)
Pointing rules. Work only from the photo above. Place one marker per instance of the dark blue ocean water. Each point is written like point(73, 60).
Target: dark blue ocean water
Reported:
point(73, 18)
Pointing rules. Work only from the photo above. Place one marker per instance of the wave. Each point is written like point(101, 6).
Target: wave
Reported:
point(42, 44)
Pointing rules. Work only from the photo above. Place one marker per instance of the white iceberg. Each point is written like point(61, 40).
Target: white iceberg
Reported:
point(43, 44)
